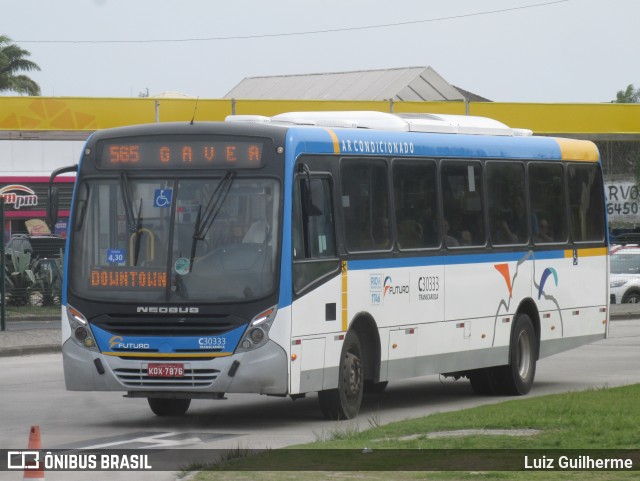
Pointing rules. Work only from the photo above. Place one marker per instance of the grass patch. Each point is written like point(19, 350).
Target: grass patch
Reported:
point(591, 420)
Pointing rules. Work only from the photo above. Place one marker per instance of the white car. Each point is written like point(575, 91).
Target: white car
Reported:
point(624, 275)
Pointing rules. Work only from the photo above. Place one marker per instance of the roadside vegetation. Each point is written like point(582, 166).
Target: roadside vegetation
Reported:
point(598, 419)
point(13, 62)
point(32, 282)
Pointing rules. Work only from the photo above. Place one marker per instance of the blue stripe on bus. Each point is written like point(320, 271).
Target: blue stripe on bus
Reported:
point(547, 255)
point(292, 150)
point(414, 144)
point(460, 259)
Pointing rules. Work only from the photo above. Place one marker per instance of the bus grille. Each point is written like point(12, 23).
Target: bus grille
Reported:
point(171, 326)
point(192, 378)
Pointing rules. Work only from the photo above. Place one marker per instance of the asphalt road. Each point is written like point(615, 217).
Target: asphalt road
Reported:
point(33, 393)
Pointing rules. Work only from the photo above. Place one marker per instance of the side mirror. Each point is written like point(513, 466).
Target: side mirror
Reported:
point(53, 202)
point(53, 196)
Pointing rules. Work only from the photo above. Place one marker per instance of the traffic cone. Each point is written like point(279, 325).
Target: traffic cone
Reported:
point(35, 444)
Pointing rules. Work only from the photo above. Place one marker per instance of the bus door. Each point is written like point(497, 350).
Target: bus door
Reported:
point(317, 284)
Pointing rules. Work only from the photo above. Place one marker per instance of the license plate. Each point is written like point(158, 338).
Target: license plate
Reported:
point(165, 370)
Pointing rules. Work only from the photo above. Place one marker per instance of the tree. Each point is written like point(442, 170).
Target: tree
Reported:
point(12, 61)
point(628, 96)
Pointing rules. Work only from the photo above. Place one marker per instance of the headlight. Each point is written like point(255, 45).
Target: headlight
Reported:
point(618, 283)
point(81, 332)
point(257, 333)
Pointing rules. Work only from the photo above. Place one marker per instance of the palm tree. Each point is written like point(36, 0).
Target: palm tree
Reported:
point(628, 96)
point(12, 61)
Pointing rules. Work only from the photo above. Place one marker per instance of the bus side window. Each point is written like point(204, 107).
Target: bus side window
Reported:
point(313, 242)
point(547, 201)
point(508, 220)
point(416, 203)
point(586, 203)
point(365, 205)
point(462, 203)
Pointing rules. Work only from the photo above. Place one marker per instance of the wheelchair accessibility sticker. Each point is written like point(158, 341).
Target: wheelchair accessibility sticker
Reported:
point(162, 198)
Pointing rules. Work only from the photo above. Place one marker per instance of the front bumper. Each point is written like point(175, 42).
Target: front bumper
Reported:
point(262, 371)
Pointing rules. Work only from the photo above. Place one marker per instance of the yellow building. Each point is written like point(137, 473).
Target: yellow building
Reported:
point(614, 127)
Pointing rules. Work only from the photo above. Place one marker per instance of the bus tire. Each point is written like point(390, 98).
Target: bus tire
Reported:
point(344, 402)
point(168, 407)
point(516, 378)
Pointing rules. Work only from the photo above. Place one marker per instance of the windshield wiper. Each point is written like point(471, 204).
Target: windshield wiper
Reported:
point(134, 222)
point(205, 219)
point(136, 246)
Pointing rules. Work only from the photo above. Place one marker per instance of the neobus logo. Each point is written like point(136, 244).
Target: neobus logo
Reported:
point(168, 310)
point(17, 199)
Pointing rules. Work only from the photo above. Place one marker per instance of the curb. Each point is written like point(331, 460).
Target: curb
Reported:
point(624, 316)
point(29, 350)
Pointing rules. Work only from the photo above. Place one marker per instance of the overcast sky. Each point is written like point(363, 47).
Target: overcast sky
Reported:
point(565, 51)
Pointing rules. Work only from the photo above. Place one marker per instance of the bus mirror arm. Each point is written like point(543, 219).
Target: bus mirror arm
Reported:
point(53, 195)
point(132, 221)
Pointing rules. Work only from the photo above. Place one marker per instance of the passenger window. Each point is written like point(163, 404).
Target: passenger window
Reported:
point(365, 205)
point(548, 205)
point(416, 204)
point(463, 223)
point(314, 248)
point(508, 220)
point(586, 203)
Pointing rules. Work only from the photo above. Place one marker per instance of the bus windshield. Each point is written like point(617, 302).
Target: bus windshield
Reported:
point(175, 240)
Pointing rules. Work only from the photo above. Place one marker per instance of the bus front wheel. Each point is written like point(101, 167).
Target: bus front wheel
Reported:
point(344, 402)
point(168, 407)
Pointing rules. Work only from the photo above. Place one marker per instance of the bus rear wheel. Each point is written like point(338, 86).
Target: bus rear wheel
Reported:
point(344, 402)
point(168, 407)
point(516, 378)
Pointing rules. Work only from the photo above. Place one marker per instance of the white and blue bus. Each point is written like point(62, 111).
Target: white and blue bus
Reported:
point(328, 252)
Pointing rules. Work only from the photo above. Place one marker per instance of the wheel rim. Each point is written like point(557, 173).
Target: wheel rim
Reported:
point(524, 355)
point(352, 375)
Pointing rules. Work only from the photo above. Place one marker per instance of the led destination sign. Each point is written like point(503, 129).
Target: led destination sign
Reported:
point(127, 278)
point(179, 153)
